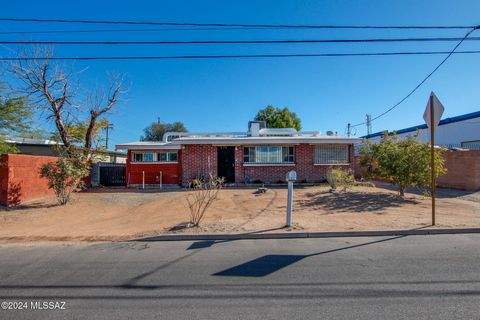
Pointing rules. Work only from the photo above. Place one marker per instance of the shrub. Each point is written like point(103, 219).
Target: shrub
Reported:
point(405, 162)
point(337, 177)
point(201, 196)
point(65, 175)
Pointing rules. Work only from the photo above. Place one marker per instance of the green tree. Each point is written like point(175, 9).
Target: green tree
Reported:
point(279, 118)
point(405, 162)
point(15, 118)
point(156, 130)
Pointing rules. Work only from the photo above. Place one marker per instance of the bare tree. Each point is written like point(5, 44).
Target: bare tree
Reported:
point(54, 89)
point(202, 195)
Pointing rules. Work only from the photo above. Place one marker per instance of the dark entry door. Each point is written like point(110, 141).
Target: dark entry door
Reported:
point(226, 163)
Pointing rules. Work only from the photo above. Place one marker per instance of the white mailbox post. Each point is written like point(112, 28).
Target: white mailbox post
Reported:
point(291, 177)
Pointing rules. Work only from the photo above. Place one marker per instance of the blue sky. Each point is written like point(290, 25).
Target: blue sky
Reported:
point(222, 95)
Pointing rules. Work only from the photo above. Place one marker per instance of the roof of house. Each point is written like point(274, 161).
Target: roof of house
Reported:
point(27, 142)
point(241, 140)
point(445, 121)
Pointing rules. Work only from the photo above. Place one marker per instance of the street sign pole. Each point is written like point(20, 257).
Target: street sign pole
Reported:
point(432, 115)
point(432, 156)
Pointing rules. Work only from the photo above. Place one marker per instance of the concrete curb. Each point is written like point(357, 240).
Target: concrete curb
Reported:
point(304, 235)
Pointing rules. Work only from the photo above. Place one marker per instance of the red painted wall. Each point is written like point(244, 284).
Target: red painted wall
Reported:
point(20, 178)
point(171, 172)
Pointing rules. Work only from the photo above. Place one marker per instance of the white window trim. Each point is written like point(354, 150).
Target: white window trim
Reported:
point(263, 164)
point(132, 161)
point(155, 162)
point(348, 163)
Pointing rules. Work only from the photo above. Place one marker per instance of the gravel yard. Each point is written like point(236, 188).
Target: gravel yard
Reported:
point(121, 214)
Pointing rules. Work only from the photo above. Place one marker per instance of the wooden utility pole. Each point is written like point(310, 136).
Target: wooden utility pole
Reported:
point(107, 127)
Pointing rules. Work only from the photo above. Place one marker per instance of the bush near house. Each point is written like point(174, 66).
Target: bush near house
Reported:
point(342, 178)
point(66, 175)
point(201, 196)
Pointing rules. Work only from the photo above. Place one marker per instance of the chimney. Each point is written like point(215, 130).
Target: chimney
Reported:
point(255, 126)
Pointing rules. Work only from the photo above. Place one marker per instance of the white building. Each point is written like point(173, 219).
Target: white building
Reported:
point(455, 132)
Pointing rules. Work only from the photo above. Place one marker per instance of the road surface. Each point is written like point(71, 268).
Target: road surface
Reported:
point(406, 277)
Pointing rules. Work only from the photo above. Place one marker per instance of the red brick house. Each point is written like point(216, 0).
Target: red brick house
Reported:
point(259, 155)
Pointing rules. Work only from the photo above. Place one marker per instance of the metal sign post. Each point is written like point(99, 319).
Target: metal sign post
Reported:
point(291, 177)
point(433, 113)
point(432, 157)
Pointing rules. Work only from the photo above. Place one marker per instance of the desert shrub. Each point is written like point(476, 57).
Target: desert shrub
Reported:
point(202, 193)
point(342, 178)
point(66, 175)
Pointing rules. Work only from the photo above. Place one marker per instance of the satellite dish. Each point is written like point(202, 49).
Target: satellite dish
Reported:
point(329, 133)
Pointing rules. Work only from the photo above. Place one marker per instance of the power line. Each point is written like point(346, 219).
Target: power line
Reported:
point(453, 51)
point(442, 39)
point(169, 23)
point(238, 56)
point(129, 30)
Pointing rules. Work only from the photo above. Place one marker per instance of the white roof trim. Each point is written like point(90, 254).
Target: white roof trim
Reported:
point(177, 143)
point(148, 145)
point(267, 140)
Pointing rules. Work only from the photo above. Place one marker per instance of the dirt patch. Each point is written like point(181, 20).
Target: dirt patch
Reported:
point(123, 215)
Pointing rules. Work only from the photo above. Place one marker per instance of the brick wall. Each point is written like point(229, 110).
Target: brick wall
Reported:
point(20, 179)
point(171, 172)
point(202, 159)
point(198, 161)
point(463, 170)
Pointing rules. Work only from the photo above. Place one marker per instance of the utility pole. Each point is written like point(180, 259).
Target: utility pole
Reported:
point(369, 124)
point(107, 127)
point(348, 129)
point(158, 120)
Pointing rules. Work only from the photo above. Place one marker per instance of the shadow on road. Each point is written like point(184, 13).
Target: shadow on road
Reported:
point(268, 264)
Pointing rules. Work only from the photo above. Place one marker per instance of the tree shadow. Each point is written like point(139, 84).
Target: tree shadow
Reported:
point(14, 195)
point(353, 202)
point(271, 263)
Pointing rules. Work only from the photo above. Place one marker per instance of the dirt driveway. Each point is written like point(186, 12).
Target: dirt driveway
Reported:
point(129, 214)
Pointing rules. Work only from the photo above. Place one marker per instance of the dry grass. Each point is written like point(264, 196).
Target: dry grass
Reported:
point(123, 214)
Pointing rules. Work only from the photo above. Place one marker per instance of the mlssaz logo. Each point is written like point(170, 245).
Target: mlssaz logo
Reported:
point(47, 305)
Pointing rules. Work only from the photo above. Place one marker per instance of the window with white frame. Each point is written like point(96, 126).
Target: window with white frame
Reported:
point(269, 154)
point(331, 154)
point(167, 157)
point(143, 157)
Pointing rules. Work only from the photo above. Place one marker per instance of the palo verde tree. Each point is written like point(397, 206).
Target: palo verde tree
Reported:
point(156, 130)
point(405, 162)
point(279, 118)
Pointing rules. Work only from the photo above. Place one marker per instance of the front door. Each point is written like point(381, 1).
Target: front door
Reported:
point(226, 163)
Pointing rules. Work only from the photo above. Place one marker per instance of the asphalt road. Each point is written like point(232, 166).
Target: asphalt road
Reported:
point(412, 277)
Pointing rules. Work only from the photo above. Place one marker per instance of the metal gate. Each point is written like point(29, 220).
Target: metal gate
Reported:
point(113, 175)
